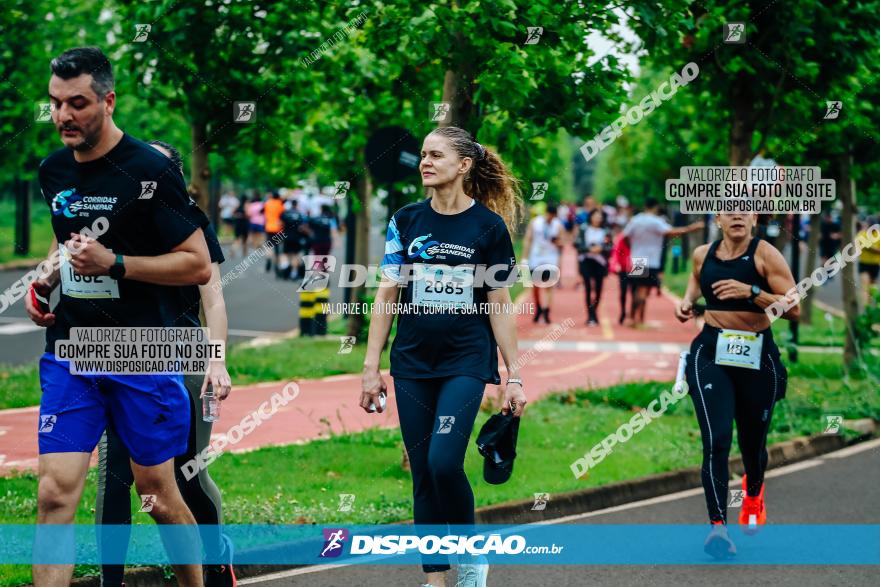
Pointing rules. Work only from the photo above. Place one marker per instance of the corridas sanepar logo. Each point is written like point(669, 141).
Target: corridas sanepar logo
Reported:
point(67, 202)
point(419, 248)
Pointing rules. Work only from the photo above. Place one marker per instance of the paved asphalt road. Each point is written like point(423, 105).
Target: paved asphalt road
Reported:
point(840, 488)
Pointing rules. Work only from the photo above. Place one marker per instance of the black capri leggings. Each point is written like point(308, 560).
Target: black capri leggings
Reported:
point(722, 394)
point(436, 420)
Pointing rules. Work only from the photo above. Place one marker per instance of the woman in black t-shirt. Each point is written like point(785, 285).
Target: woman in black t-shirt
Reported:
point(448, 261)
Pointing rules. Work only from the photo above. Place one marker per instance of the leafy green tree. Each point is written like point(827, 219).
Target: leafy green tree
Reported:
point(202, 59)
point(513, 72)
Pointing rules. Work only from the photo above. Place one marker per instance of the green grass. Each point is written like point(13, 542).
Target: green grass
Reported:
point(41, 230)
point(302, 483)
point(677, 282)
point(20, 385)
point(297, 358)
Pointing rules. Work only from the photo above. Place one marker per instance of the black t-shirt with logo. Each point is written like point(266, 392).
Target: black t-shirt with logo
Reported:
point(322, 228)
point(446, 343)
point(190, 295)
point(148, 212)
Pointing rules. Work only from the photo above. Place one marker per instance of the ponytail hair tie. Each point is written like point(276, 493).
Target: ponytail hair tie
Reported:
point(481, 150)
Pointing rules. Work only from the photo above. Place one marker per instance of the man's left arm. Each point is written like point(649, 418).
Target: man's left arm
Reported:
point(187, 264)
point(178, 230)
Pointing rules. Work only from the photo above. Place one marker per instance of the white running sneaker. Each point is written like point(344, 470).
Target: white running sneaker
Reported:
point(473, 575)
point(718, 543)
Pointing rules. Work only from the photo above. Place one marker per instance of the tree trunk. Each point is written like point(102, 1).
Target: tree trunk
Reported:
point(22, 190)
point(364, 191)
point(458, 91)
point(846, 195)
point(810, 264)
point(200, 173)
point(743, 124)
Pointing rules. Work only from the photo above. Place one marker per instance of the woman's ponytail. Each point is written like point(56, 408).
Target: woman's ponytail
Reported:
point(489, 180)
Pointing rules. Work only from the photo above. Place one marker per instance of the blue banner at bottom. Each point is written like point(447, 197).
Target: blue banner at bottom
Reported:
point(538, 544)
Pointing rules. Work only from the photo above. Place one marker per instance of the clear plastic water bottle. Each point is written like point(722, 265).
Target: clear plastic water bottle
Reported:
point(681, 386)
point(210, 405)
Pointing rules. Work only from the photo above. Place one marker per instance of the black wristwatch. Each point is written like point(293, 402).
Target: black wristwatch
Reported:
point(756, 291)
point(117, 269)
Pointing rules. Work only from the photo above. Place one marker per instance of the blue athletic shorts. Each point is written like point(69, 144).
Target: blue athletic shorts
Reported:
point(149, 412)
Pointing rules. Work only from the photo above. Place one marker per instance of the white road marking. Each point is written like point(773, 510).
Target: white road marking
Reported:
point(855, 449)
point(19, 327)
point(290, 573)
point(24, 410)
point(255, 333)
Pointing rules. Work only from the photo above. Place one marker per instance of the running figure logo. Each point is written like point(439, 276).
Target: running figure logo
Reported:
point(533, 35)
point(141, 32)
point(346, 344)
point(47, 423)
point(346, 502)
point(439, 111)
point(833, 424)
point(735, 33)
point(147, 503)
point(341, 189)
point(244, 111)
point(736, 498)
point(318, 271)
point(333, 540)
point(539, 190)
point(639, 267)
point(446, 423)
point(541, 500)
point(832, 109)
point(43, 112)
point(148, 188)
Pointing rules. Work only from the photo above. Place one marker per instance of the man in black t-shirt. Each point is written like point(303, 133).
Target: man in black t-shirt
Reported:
point(322, 230)
point(128, 276)
point(295, 240)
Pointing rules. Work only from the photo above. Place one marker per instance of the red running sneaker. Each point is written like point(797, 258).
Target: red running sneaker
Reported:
point(753, 513)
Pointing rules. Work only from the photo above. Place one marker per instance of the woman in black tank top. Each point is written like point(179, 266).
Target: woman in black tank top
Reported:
point(734, 369)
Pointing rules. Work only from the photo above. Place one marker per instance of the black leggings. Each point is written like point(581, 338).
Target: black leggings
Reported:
point(624, 286)
point(593, 274)
point(722, 394)
point(436, 446)
point(113, 500)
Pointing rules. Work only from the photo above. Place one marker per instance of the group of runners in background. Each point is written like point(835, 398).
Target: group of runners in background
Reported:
point(297, 222)
point(613, 239)
point(606, 239)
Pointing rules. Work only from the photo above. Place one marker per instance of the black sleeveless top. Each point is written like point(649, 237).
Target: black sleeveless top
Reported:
point(741, 269)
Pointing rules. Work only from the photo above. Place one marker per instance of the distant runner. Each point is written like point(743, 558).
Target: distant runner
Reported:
point(734, 371)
